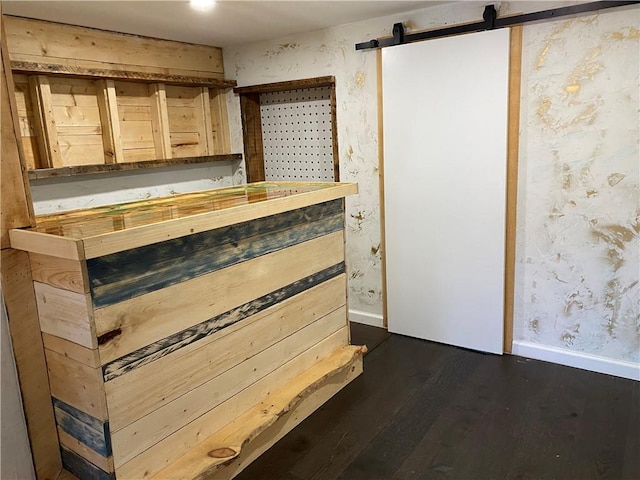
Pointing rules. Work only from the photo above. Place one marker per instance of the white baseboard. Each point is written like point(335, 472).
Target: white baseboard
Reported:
point(367, 318)
point(585, 361)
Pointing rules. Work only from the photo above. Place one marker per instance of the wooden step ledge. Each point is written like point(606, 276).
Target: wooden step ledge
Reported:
point(234, 447)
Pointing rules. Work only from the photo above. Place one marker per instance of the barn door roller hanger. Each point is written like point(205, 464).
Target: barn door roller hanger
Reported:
point(490, 22)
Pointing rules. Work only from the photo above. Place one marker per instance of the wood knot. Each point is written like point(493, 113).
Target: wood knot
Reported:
point(106, 337)
point(223, 452)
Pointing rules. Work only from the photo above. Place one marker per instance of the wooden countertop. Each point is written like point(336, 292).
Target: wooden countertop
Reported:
point(90, 233)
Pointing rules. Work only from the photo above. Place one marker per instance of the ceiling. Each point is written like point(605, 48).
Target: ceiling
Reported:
point(228, 23)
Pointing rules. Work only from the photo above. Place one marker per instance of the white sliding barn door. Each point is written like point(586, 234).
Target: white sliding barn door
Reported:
point(445, 148)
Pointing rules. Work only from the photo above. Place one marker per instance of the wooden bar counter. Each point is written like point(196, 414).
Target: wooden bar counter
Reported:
point(186, 335)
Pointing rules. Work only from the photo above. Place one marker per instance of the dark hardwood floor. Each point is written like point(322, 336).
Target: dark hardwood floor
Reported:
point(423, 410)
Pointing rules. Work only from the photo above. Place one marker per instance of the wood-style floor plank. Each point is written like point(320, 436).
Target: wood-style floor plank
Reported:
point(422, 410)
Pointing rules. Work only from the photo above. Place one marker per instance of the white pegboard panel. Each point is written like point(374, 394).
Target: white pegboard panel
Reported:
point(296, 135)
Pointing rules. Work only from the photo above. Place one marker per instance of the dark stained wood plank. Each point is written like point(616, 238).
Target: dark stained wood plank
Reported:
point(120, 276)
point(156, 350)
point(41, 173)
point(423, 410)
point(252, 137)
point(327, 81)
point(83, 427)
point(84, 72)
point(82, 468)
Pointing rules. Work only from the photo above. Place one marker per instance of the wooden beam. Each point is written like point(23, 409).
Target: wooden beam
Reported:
point(17, 208)
point(160, 121)
point(252, 136)
point(110, 120)
point(17, 289)
point(45, 120)
point(285, 86)
point(513, 138)
point(219, 121)
point(136, 76)
point(203, 118)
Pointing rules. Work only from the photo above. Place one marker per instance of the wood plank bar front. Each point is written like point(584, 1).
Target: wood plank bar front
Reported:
point(170, 324)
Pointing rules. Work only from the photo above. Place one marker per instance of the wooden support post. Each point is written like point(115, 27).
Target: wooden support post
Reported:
point(219, 121)
point(160, 120)
point(17, 210)
point(203, 116)
point(252, 128)
point(17, 289)
point(45, 121)
point(110, 120)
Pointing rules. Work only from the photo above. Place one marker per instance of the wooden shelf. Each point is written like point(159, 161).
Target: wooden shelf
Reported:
point(83, 72)
point(42, 173)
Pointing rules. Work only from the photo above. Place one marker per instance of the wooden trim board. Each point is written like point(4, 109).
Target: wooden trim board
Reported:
point(513, 139)
point(383, 256)
point(285, 86)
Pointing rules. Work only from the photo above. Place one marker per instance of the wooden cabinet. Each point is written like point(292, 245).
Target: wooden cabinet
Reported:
point(185, 335)
point(91, 97)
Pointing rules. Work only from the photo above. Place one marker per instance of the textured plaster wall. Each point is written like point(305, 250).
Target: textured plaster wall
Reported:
point(577, 260)
point(578, 250)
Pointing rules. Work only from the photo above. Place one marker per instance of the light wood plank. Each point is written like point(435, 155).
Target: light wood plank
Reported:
point(77, 384)
point(95, 130)
point(139, 154)
point(137, 134)
point(17, 290)
point(59, 272)
point(132, 94)
point(171, 376)
point(49, 42)
point(110, 120)
point(185, 144)
point(226, 453)
point(104, 244)
point(72, 350)
point(148, 318)
point(81, 449)
point(139, 113)
point(203, 122)
point(219, 121)
point(160, 120)
point(46, 120)
point(289, 420)
point(73, 92)
point(132, 439)
point(513, 142)
point(168, 450)
point(65, 314)
point(76, 117)
point(46, 244)
point(81, 149)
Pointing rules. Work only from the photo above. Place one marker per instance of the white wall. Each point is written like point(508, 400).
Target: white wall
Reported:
point(15, 456)
point(577, 261)
point(54, 195)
